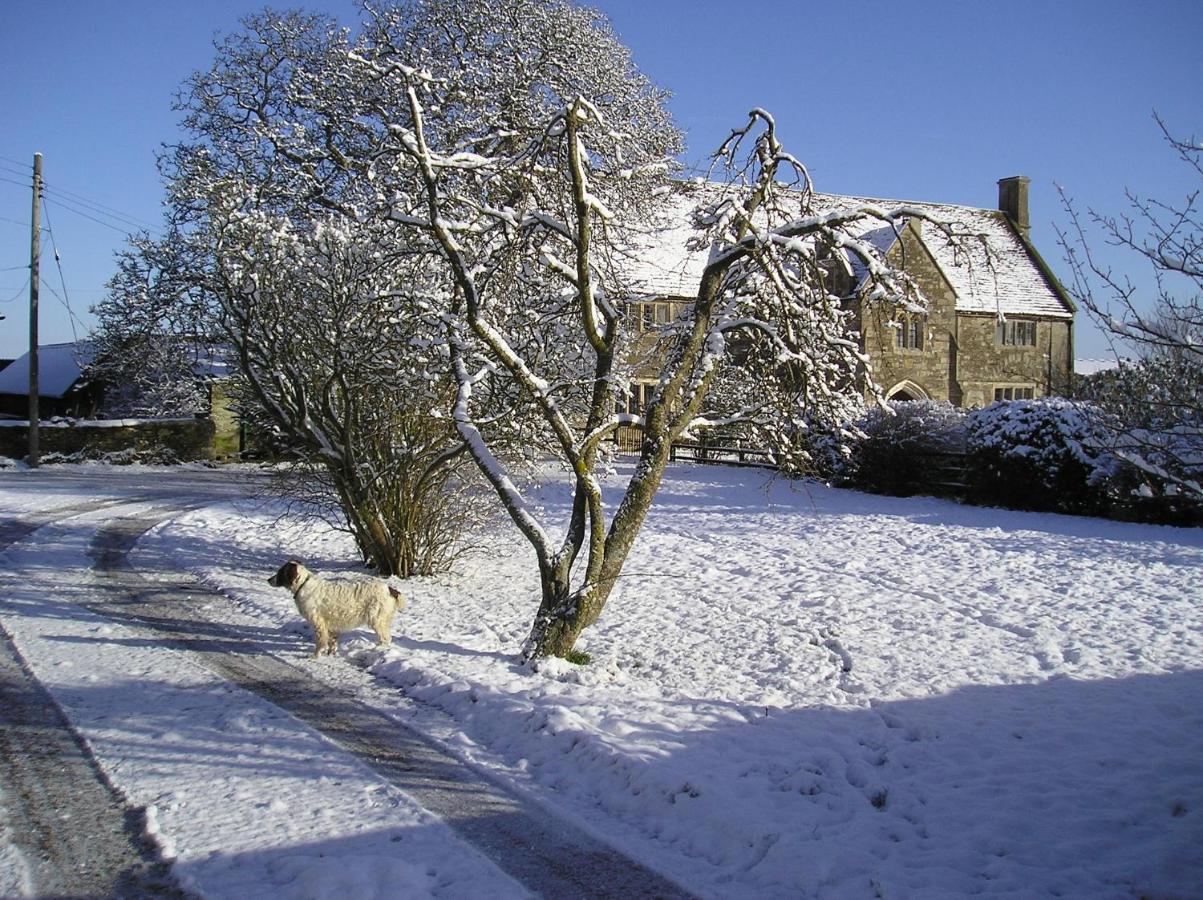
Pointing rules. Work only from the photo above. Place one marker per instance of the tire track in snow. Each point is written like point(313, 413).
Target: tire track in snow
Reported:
point(19, 528)
point(76, 835)
point(552, 857)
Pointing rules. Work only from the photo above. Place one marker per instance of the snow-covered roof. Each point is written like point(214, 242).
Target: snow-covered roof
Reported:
point(655, 262)
point(1091, 366)
point(214, 361)
point(1007, 280)
point(59, 368)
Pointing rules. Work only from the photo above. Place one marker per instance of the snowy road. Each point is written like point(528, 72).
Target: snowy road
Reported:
point(74, 834)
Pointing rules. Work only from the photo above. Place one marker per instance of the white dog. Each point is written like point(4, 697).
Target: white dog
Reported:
point(335, 606)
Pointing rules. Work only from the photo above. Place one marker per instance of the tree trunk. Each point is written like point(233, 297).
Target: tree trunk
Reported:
point(563, 613)
point(562, 616)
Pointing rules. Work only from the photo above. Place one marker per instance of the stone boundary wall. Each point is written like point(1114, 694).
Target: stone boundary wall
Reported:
point(190, 439)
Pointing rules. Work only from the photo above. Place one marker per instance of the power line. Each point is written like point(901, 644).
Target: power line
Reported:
point(58, 261)
point(97, 206)
point(18, 294)
point(64, 197)
point(61, 205)
point(72, 317)
point(82, 208)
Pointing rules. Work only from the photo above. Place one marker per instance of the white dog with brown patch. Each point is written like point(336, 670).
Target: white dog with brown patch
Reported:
point(334, 606)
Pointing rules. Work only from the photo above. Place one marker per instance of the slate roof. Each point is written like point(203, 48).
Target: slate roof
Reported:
point(1007, 281)
point(59, 368)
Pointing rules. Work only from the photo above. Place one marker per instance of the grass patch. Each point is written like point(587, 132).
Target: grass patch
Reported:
point(578, 657)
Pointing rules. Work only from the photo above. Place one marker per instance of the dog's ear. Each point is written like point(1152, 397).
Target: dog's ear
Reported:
point(285, 576)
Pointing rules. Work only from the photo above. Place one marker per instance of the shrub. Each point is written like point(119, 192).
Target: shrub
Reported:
point(1150, 410)
point(1042, 454)
point(899, 443)
point(1157, 474)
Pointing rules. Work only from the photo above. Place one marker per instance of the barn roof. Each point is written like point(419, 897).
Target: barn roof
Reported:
point(60, 366)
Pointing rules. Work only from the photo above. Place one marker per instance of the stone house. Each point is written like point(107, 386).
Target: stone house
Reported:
point(998, 324)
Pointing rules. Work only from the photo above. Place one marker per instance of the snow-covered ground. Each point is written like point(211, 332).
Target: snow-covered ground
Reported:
point(796, 691)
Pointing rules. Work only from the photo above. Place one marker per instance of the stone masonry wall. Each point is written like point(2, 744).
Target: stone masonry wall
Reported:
point(961, 360)
point(190, 439)
point(927, 367)
point(984, 364)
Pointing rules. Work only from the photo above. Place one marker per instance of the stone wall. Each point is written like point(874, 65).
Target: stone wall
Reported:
point(984, 365)
point(926, 368)
point(189, 439)
point(961, 360)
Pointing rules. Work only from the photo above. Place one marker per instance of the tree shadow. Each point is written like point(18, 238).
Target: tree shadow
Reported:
point(1058, 788)
point(400, 641)
point(695, 487)
point(409, 860)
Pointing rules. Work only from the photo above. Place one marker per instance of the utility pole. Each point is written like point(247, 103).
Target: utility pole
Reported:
point(35, 254)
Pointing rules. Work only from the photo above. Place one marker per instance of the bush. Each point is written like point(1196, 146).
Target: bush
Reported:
point(1151, 470)
point(1042, 454)
point(1150, 410)
point(899, 443)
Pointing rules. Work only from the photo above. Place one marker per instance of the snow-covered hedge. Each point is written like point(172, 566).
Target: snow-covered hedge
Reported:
point(899, 444)
point(1152, 411)
point(1050, 454)
point(1045, 454)
point(1158, 474)
point(1069, 456)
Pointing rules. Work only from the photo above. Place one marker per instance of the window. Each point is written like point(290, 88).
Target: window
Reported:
point(650, 315)
point(1014, 392)
point(636, 401)
point(909, 333)
point(1016, 333)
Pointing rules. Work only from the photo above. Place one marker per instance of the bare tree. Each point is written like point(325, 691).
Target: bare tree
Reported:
point(506, 157)
point(315, 302)
point(529, 223)
point(1154, 406)
point(329, 350)
point(153, 341)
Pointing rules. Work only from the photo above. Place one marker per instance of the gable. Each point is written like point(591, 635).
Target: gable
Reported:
point(998, 278)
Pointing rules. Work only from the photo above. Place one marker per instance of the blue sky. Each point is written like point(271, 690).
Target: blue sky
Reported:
point(909, 100)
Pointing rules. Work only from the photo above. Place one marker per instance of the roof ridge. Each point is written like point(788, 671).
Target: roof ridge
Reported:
point(705, 183)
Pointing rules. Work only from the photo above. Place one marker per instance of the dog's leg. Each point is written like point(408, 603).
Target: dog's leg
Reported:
point(322, 640)
point(381, 627)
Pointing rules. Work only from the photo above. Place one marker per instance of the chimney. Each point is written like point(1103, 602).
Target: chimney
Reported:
point(1013, 200)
